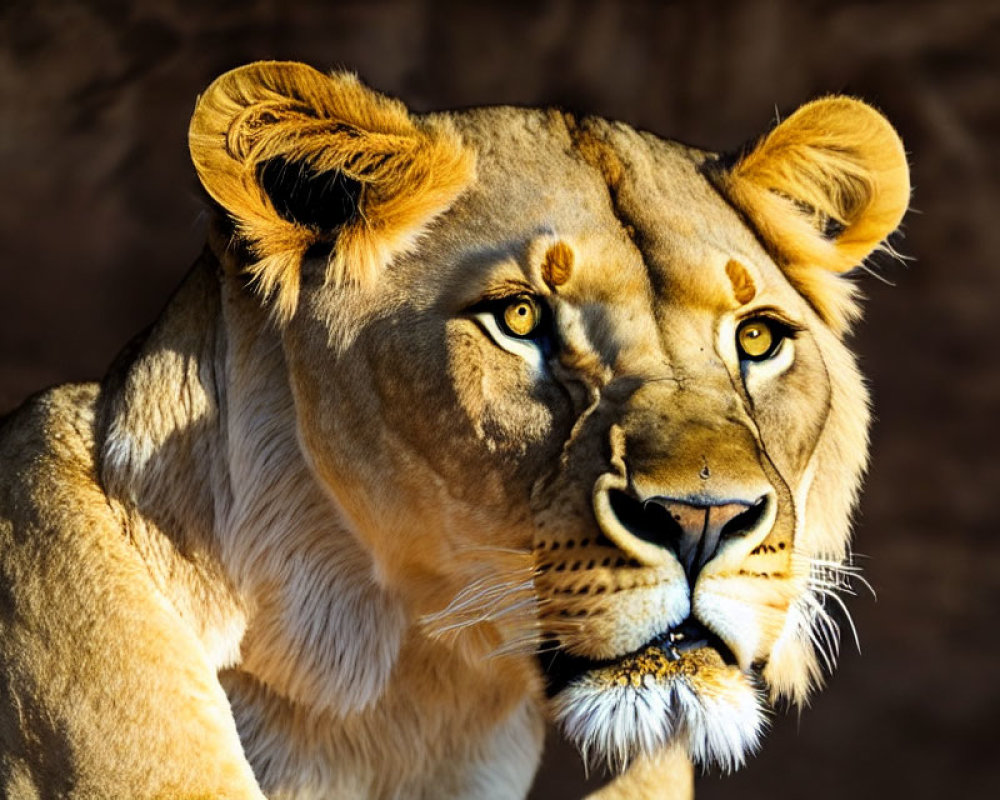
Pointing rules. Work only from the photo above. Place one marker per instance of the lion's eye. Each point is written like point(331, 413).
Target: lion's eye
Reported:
point(521, 324)
point(759, 338)
point(521, 316)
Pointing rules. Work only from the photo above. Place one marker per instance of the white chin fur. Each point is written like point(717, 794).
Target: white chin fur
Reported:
point(720, 725)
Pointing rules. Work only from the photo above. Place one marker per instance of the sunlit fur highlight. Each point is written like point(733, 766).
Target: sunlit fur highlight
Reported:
point(408, 173)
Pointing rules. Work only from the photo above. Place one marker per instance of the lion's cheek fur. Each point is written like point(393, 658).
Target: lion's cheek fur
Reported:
point(394, 448)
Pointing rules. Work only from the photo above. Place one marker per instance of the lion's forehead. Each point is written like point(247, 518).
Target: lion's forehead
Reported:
point(639, 212)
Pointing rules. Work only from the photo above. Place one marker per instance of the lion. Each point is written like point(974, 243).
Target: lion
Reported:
point(461, 423)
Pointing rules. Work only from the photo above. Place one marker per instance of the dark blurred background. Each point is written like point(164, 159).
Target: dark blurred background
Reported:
point(100, 217)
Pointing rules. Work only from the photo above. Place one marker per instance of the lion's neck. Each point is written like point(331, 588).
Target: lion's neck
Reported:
point(287, 545)
point(161, 459)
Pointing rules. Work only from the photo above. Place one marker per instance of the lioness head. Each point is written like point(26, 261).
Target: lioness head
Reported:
point(581, 392)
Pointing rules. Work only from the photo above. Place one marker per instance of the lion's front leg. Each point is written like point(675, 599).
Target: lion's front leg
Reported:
point(106, 691)
point(668, 776)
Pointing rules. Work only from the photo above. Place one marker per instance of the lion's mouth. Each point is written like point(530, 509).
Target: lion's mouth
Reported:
point(664, 652)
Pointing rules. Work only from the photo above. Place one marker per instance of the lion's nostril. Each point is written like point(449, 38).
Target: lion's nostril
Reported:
point(746, 521)
point(648, 521)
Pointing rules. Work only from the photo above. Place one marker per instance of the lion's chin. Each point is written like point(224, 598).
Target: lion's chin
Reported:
point(657, 697)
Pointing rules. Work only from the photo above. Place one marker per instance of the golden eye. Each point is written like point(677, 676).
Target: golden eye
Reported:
point(521, 316)
point(757, 339)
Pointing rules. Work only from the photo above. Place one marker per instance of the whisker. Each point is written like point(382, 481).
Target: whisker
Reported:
point(823, 632)
point(531, 643)
point(847, 615)
point(487, 548)
point(831, 579)
point(478, 594)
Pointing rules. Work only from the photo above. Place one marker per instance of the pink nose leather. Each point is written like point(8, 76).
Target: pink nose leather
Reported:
point(701, 529)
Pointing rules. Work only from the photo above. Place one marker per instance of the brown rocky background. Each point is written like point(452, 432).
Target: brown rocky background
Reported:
point(100, 217)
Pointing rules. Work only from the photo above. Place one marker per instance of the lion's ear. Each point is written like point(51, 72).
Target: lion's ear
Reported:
point(823, 190)
point(300, 159)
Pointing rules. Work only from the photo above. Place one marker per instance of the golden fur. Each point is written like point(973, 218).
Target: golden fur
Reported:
point(330, 529)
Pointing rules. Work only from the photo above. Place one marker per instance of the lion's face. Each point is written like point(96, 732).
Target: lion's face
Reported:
point(588, 412)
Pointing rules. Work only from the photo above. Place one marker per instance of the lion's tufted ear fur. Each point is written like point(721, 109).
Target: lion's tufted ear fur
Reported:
point(823, 190)
point(300, 159)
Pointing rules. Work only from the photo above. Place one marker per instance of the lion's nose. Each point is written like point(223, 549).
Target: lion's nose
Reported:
point(693, 532)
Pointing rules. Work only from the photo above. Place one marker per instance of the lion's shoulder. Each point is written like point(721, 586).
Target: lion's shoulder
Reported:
point(50, 431)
